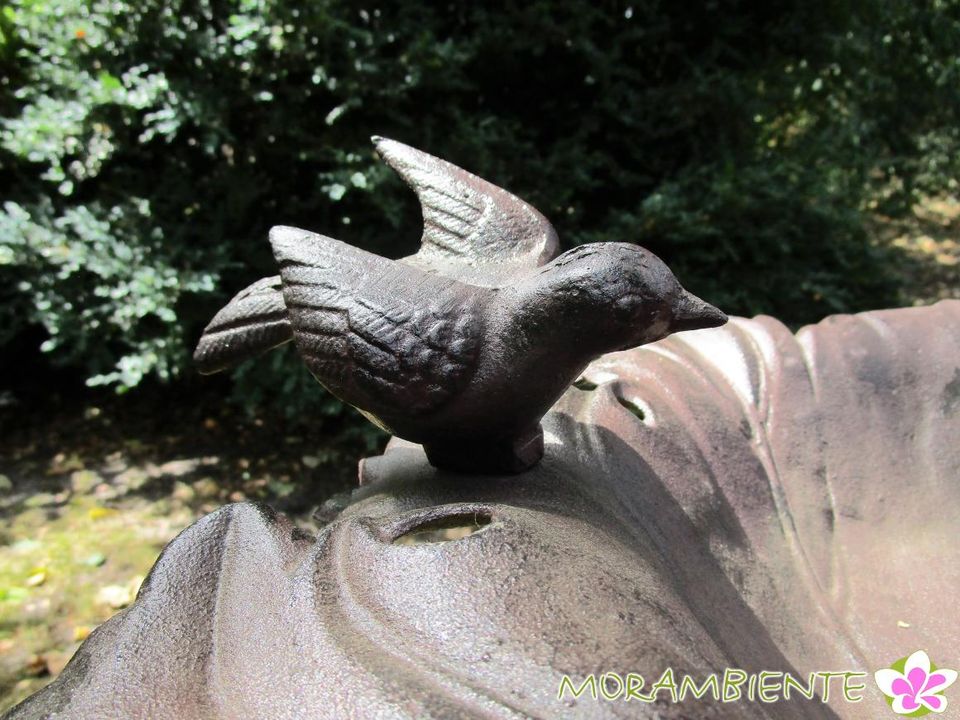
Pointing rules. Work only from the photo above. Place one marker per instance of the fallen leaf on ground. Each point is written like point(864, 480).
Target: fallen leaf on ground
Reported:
point(36, 666)
point(115, 596)
point(13, 594)
point(98, 513)
point(57, 661)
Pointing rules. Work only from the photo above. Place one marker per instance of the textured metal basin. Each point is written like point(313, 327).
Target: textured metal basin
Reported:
point(731, 498)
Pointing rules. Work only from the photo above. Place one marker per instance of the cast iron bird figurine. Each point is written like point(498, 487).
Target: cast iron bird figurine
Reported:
point(464, 346)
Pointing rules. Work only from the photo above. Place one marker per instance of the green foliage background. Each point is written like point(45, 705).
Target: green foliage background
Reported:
point(146, 147)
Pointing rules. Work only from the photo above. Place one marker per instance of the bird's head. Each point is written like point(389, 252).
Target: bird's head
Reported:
point(626, 295)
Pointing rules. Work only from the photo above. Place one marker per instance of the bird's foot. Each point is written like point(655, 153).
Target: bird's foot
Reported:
point(488, 456)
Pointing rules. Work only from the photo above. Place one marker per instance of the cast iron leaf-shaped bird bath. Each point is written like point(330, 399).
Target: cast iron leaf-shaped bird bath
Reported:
point(737, 498)
point(785, 504)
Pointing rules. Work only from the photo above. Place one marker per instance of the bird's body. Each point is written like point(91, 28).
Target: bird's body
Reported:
point(385, 337)
point(460, 347)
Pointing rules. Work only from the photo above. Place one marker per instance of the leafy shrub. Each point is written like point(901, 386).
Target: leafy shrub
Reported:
point(147, 147)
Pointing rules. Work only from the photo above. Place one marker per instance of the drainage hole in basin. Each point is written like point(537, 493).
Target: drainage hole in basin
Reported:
point(584, 384)
point(633, 407)
point(446, 529)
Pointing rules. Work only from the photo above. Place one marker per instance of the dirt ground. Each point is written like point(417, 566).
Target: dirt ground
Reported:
point(91, 492)
point(931, 238)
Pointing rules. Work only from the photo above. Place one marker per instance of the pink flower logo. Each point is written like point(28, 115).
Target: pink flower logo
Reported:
point(913, 685)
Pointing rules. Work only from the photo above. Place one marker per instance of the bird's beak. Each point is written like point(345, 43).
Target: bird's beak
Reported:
point(692, 313)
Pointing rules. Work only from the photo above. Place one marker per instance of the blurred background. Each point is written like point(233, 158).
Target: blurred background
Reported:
point(789, 157)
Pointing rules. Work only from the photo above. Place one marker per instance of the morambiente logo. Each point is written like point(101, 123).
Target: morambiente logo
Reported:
point(733, 685)
point(913, 686)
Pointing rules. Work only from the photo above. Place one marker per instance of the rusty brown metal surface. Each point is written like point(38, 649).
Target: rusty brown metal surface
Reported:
point(736, 497)
point(465, 345)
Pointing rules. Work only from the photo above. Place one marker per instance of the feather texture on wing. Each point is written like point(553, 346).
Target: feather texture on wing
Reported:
point(381, 335)
point(254, 321)
point(472, 229)
point(474, 234)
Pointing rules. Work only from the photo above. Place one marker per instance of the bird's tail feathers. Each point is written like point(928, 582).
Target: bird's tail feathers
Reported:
point(254, 321)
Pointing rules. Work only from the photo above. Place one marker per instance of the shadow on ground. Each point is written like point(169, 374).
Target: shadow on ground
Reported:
point(91, 492)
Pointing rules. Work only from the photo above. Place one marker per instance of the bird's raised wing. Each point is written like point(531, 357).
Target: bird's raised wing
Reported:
point(472, 229)
point(383, 336)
